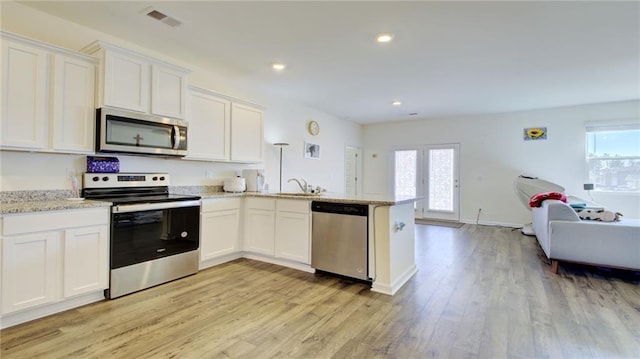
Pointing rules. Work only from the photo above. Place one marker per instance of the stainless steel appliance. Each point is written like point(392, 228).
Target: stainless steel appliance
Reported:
point(155, 235)
point(340, 238)
point(123, 131)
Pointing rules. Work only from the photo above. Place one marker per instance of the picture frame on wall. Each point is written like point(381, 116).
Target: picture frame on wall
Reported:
point(311, 150)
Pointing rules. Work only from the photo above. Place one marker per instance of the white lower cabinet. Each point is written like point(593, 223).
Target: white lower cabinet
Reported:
point(293, 228)
point(220, 229)
point(278, 228)
point(29, 266)
point(259, 225)
point(49, 258)
point(85, 265)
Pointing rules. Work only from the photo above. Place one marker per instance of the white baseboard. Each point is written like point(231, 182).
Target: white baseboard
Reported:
point(219, 260)
point(491, 223)
point(280, 262)
point(391, 289)
point(11, 319)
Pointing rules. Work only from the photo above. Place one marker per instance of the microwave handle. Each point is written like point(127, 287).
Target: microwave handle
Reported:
point(176, 137)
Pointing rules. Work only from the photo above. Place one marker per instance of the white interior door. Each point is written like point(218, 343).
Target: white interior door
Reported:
point(352, 170)
point(441, 182)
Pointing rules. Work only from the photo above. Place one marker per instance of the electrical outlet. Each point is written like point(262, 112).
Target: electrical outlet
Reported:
point(71, 172)
point(208, 174)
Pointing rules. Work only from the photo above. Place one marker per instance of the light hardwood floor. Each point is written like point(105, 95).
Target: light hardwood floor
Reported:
point(481, 292)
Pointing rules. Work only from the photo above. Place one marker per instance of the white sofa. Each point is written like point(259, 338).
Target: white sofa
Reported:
point(563, 236)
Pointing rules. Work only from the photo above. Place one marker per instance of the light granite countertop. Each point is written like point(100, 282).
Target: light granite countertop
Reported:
point(381, 200)
point(48, 205)
point(12, 202)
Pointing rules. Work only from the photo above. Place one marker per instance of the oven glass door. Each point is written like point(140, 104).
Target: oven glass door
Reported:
point(141, 236)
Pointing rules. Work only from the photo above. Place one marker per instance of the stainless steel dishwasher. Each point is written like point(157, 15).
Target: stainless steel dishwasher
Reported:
point(339, 242)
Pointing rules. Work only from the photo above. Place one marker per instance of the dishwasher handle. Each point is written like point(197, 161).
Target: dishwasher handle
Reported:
point(340, 208)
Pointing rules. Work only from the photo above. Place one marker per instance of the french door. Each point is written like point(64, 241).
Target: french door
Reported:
point(432, 172)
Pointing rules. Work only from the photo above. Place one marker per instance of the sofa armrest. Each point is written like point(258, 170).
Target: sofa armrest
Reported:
point(550, 210)
point(560, 211)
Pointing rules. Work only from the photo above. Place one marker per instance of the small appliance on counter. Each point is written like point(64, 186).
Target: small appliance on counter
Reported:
point(254, 179)
point(234, 184)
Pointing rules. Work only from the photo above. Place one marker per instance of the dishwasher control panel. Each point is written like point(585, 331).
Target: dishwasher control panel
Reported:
point(340, 208)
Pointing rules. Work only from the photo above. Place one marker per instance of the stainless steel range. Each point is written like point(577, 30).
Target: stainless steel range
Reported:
point(155, 235)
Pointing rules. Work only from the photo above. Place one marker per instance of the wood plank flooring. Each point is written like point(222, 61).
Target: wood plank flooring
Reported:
point(480, 292)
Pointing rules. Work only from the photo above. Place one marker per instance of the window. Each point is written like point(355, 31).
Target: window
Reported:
point(613, 157)
point(405, 172)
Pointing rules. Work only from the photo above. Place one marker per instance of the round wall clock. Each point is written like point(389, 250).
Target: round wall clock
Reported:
point(313, 128)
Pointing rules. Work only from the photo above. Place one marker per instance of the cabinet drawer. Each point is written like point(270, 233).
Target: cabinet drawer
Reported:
point(53, 220)
point(293, 205)
point(210, 205)
point(260, 203)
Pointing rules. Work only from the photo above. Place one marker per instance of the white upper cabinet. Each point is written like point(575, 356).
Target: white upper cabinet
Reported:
point(168, 92)
point(209, 119)
point(126, 82)
point(246, 133)
point(222, 128)
point(73, 104)
point(136, 82)
point(48, 97)
point(25, 75)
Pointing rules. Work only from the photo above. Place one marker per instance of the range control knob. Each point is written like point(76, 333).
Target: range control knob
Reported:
point(155, 178)
point(95, 179)
point(161, 178)
point(105, 178)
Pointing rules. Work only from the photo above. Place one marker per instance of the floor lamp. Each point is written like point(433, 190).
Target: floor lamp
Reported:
point(281, 144)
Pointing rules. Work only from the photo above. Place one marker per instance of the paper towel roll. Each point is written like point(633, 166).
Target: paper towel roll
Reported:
point(235, 184)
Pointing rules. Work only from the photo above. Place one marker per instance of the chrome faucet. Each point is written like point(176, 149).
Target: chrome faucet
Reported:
point(304, 188)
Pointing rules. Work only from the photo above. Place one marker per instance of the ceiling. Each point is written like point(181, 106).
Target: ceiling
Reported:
point(447, 58)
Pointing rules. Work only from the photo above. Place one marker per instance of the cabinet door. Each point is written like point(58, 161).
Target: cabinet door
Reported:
point(25, 83)
point(220, 233)
point(260, 231)
point(168, 92)
point(292, 236)
point(86, 260)
point(127, 82)
point(29, 270)
point(73, 104)
point(209, 126)
point(246, 133)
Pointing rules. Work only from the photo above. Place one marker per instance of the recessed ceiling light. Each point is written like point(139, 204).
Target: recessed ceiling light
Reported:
point(396, 103)
point(278, 66)
point(385, 37)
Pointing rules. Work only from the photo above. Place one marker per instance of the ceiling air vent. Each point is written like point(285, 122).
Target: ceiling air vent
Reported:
point(171, 21)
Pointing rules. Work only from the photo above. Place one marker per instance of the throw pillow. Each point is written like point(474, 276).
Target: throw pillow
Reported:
point(536, 199)
point(598, 214)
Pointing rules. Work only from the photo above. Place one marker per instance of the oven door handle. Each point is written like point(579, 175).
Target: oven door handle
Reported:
point(125, 208)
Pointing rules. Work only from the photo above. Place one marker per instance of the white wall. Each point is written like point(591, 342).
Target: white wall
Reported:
point(493, 153)
point(284, 122)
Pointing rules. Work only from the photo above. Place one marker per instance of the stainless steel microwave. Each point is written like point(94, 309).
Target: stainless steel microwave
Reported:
point(121, 131)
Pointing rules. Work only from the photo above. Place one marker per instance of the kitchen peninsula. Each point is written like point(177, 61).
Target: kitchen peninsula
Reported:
point(269, 227)
point(391, 230)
